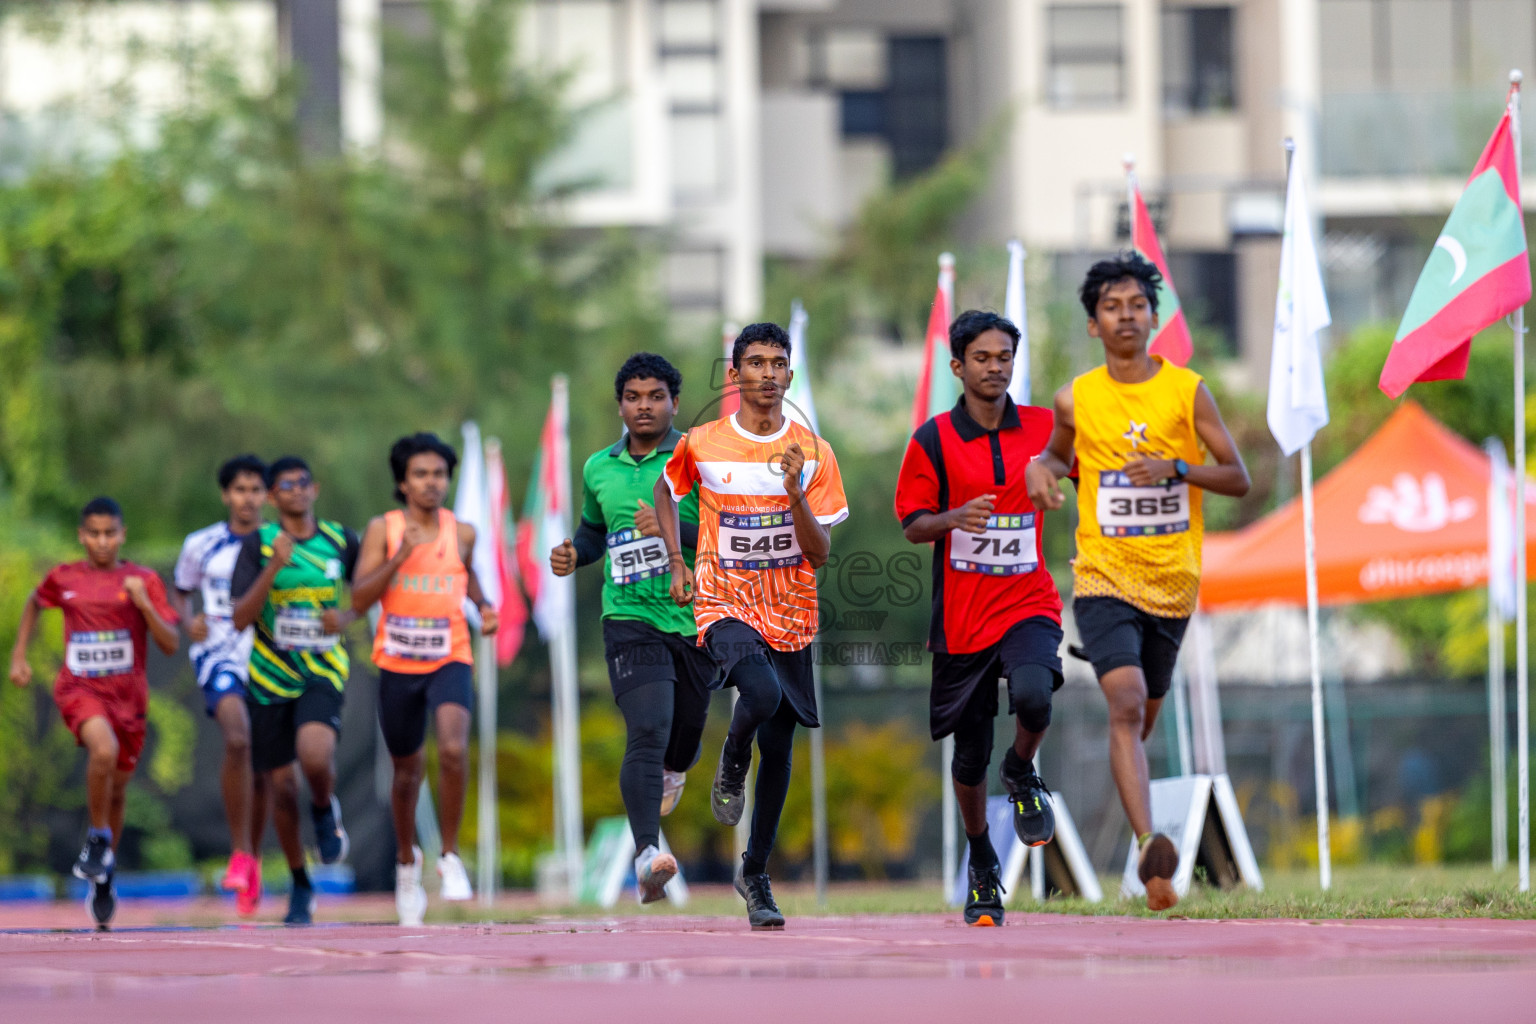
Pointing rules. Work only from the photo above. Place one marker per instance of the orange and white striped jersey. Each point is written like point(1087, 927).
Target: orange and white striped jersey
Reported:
point(749, 565)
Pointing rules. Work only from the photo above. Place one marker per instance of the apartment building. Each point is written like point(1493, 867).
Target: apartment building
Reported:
point(739, 129)
point(1389, 100)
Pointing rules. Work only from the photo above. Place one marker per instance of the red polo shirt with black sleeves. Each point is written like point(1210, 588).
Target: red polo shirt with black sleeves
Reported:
point(982, 584)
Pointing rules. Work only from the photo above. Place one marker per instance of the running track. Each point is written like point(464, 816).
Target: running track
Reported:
point(1041, 967)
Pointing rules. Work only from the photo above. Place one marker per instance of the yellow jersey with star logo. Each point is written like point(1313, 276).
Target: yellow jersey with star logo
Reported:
point(1138, 544)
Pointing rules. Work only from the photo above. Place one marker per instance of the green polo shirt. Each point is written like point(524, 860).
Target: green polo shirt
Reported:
point(637, 582)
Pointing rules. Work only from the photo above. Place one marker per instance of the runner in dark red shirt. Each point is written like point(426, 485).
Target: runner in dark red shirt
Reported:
point(996, 611)
point(110, 608)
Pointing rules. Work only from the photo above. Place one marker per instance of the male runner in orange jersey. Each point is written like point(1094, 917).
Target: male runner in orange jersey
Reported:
point(769, 494)
point(417, 562)
point(1138, 428)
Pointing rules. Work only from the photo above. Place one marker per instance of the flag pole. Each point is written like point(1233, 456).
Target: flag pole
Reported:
point(1522, 660)
point(1498, 721)
point(1319, 752)
point(1129, 160)
point(949, 809)
point(565, 695)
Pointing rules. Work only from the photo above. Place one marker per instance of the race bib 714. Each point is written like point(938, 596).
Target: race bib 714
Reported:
point(1007, 548)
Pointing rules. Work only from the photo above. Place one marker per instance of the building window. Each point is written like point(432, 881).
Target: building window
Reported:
point(1198, 72)
point(1207, 283)
point(1085, 55)
point(694, 279)
point(691, 74)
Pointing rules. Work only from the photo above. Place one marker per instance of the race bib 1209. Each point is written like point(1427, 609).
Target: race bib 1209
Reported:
point(758, 540)
point(297, 628)
point(1007, 548)
point(633, 557)
point(102, 652)
point(1126, 510)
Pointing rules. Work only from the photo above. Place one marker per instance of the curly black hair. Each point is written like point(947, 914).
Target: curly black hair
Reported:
point(241, 464)
point(101, 506)
point(1127, 266)
point(972, 324)
point(647, 366)
point(765, 333)
point(416, 444)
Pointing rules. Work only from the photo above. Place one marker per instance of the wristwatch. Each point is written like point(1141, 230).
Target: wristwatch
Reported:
point(1180, 469)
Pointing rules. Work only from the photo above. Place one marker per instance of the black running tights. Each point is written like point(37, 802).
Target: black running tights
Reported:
point(652, 743)
point(762, 709)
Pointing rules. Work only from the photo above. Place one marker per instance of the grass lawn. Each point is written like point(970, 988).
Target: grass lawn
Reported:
point(1366, 891)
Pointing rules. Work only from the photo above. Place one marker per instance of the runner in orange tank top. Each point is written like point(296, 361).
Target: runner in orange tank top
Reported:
point(416, 563)
point(1137, 429)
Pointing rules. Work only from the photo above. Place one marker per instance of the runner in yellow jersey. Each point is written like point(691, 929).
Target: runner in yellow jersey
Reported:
point(1138, 430)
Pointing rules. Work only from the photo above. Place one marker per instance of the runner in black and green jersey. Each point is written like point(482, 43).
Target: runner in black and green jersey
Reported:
point(288, 582)
point(660, 675)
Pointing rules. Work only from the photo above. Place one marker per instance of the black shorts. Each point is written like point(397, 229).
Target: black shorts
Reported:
point(638, 653)
point(408, 699)
point(731, 640)
point(1034, 641)
point(275, 727)
point(1117, 634)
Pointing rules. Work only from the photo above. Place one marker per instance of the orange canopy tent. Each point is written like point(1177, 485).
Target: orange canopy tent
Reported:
point(1406, 514)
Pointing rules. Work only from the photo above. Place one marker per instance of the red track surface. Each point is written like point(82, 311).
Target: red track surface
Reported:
point(682, 969)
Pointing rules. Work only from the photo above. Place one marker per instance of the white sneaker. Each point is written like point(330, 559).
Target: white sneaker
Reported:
point(410, 896)
point(653, 870)
point(671, 789)
point(456, 886)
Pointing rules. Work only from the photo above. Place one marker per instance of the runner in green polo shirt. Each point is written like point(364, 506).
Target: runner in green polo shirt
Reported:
point(660, 675)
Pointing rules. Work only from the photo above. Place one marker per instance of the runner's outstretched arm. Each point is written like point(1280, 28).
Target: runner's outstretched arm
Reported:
point(166, 637)
point(815, 539)
point(21, 672)
point(489, 618)
point(667, 523)
point(1229, 476)
point(1042, 475)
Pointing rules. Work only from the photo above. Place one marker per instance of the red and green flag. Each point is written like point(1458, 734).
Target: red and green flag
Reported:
point(1478, 271)
point(937, 389)
point(547, 520)
point(1171, 337)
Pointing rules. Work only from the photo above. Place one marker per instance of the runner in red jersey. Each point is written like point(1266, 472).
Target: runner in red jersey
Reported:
point(996, 611)
point(110, 608)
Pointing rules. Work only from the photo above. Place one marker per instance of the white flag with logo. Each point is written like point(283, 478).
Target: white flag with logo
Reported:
point(798, 404)
point(1014, 310)
point(1298, 403)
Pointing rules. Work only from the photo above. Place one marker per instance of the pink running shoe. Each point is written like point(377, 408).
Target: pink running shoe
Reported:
point(249, 897)
point(237, 875)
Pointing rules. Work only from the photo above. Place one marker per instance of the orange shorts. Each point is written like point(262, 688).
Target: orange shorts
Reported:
point(78, 704)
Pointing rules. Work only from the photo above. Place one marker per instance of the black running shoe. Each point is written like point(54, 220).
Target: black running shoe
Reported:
point(762, 913)
point(301, 905)
point(330, 837)
point(984, 901)
point(96, 861)
point(728, 794)
point(102, 903)
point(1033, 819)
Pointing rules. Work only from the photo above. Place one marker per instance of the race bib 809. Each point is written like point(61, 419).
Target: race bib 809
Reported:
point(100, 652)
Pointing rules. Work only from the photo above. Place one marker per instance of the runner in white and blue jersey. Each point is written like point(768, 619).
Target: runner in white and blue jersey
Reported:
point(221, 656)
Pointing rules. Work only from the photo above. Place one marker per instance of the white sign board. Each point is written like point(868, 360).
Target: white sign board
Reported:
point(1199, 813)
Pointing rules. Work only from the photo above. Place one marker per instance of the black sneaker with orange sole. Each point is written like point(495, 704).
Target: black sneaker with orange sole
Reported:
point(984, 900)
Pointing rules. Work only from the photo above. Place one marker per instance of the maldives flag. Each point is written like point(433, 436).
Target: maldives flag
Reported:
point(1171, 338)
point(730, 396)
point(1478, 271)
point(937, 389)
point(547, 521)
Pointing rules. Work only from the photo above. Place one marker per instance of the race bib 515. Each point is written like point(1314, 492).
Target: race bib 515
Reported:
point(633, 557)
